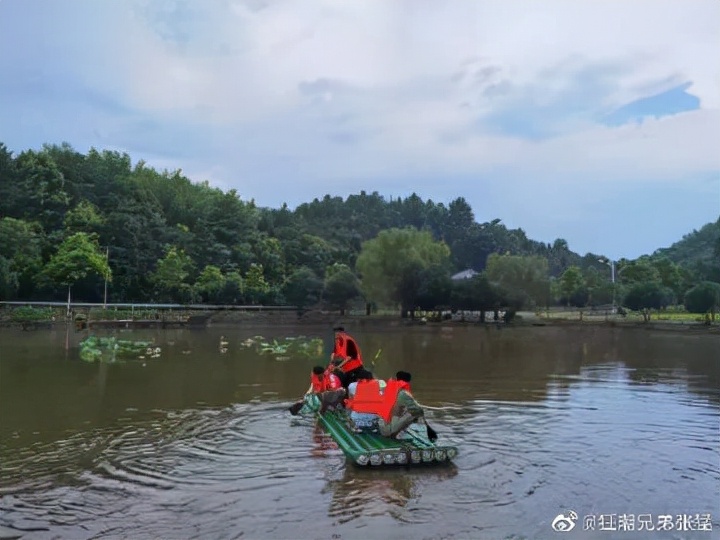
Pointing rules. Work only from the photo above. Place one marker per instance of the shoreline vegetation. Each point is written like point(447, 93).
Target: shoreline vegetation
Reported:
point(94, 228)
point(31, 318)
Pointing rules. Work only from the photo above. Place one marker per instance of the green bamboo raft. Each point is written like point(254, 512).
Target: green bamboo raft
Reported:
point(373, 449)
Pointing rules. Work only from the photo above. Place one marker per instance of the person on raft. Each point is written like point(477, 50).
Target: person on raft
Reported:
point(362, 420)
point(325, 391)
point(346, 358)
point(389, 406)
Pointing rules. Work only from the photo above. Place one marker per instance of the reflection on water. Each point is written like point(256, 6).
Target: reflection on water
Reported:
point(198, 443)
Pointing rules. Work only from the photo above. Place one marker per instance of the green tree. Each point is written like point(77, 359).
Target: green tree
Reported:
point(233, 289)
point(303, 288)
point(341, 287)
point(172, 275)
point(599, 287)
point(20, 247)
point(8, 280)
point(12, 197)
point(269, 254)
point(85, 217)
point(572, 287)
point(210, 284)
point(389, 265)
point(78, 256)
point(639, 271)
point(43, 187)
point(703, 298)
point(669, 274)
point(645, 296)
point(256, 287)
point(435, 288)
point(526, 277)
point(476, 294)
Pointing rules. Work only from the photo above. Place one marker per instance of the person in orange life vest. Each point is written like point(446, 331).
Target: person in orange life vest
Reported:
point(346, 358)
point(326, 385)
point(323, 380)
point(364, 397)
point(404, 409)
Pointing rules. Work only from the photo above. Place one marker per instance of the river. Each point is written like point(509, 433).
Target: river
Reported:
point(619, 426)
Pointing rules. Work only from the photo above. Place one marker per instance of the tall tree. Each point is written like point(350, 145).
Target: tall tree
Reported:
point(210, 284)
point(20, 247)
point(644, 296)
point(341, 287)
point(703, 298)
point(78, 256)
point(173, 274)
point(303, 288)
point(572, 286)
point(526, 277)
point(389, 265)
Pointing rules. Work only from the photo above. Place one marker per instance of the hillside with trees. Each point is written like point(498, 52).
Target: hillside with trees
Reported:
point(72, 222)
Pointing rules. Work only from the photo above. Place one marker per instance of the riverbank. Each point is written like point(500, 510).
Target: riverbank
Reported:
point(29, 319)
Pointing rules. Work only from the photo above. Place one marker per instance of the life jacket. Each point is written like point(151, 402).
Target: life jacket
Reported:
point(369, 398)
point(347, 347)
point(332, 381)
point(328, 381)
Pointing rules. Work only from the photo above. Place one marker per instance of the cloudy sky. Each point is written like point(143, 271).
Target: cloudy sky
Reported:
point(593, 121)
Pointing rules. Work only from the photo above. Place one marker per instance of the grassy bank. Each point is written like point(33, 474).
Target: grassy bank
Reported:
point(34, 317)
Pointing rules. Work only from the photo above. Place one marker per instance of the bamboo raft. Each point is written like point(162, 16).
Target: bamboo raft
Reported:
point(366, 449)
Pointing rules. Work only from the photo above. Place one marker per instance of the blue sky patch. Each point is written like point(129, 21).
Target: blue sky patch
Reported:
point(673, 101)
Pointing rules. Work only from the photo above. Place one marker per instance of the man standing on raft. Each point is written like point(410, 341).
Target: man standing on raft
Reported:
point(346, 358)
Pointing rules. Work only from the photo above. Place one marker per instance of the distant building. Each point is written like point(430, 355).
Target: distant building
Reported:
point(465, 274)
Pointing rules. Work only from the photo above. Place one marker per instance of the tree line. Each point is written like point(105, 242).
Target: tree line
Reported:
point(72, 222)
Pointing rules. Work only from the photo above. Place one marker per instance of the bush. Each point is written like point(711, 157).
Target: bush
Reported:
point(31, 314)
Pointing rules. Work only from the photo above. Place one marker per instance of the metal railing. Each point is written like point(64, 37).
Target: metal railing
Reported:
point(132, 306)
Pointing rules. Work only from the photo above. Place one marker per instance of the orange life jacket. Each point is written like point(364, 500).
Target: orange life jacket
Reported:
point(329, 381)
point(369, 398)
point(347, 347)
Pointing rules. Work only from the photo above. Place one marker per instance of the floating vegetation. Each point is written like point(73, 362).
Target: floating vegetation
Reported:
point(111, 349)
point(286, 348)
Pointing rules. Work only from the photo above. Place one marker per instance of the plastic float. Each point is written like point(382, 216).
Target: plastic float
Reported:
point(372, 449)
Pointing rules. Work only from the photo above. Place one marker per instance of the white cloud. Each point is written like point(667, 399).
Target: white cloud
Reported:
point(331, 92)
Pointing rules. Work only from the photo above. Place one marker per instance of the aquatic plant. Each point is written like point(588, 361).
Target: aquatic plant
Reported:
point(111, 349)
point(285, 348)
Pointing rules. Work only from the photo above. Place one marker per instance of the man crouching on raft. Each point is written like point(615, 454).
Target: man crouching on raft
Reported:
point(392, 403)
point(405, 411)
point(325, 391)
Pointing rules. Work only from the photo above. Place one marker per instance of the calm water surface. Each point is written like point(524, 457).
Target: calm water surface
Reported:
point(198, 443)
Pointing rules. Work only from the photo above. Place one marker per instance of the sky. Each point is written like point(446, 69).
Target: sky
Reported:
point(596, 121)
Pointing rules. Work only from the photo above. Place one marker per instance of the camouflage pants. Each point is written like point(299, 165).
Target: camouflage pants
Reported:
point(321, 402)
point(396, 424)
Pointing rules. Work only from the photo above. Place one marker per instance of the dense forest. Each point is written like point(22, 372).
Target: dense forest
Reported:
point(72, 221)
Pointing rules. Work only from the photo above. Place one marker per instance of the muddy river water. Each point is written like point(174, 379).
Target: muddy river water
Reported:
point(612, 432)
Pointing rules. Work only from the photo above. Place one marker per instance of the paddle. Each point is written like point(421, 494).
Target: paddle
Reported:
point(431, 433)
point(377, 355)
point(295, 408)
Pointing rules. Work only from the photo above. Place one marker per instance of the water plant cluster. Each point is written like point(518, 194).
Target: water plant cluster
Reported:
point(285, 348)
point(111, 349)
